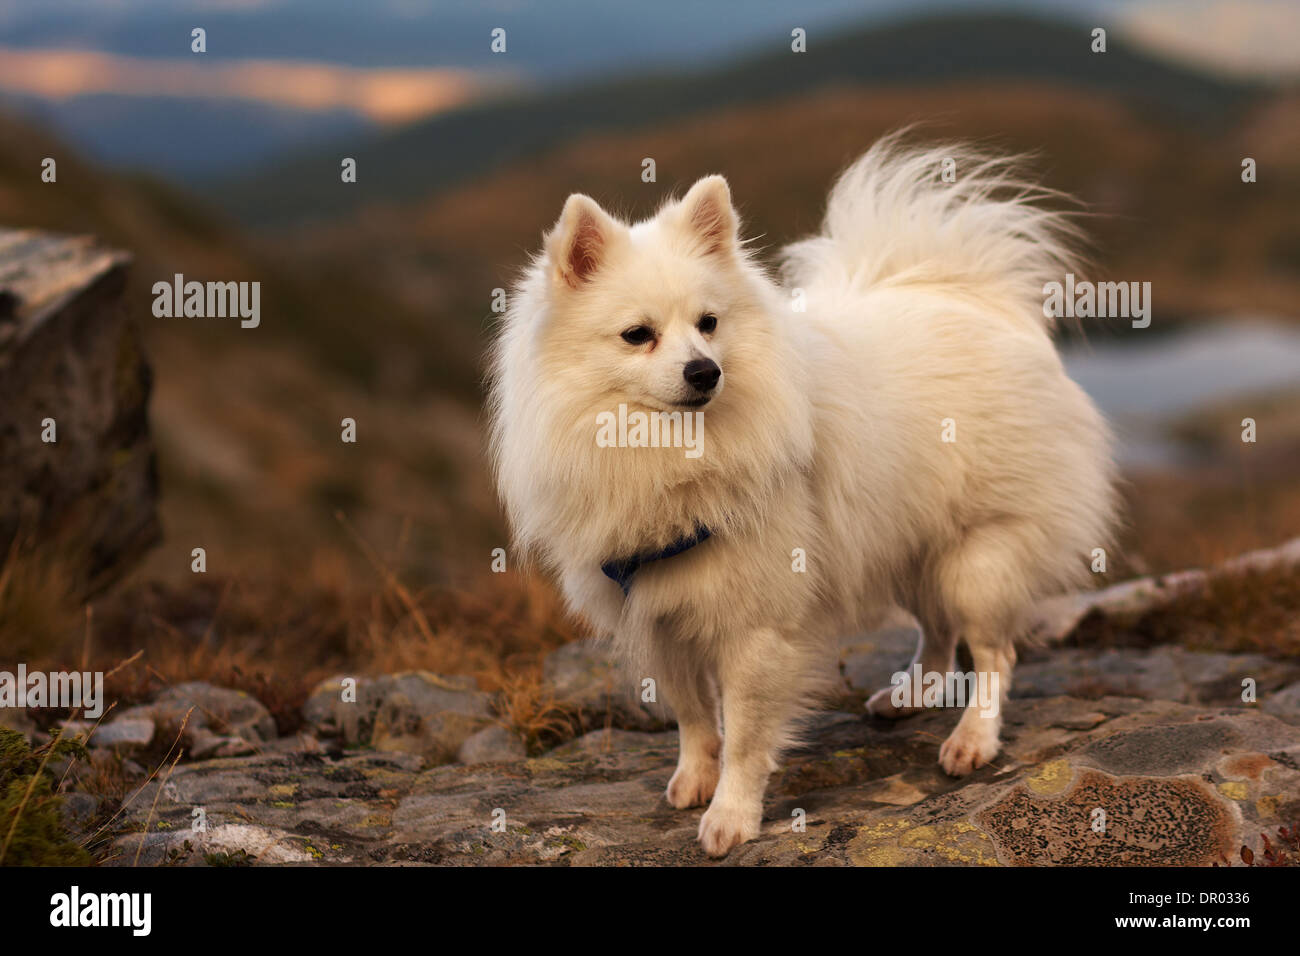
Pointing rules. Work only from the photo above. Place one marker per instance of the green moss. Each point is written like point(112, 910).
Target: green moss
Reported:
point(39, 838)
point(568, 842)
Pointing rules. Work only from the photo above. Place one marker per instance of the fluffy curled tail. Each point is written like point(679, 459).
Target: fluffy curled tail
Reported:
point(895, 218)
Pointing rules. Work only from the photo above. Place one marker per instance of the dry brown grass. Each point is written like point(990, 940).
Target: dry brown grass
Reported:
point(1179, 521)
point(277, 638)
point(36, 605)
point(1251, 612)
point(528, 707)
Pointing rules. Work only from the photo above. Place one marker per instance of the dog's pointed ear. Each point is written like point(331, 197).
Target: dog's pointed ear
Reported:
point(708, 215)
point(580, 240)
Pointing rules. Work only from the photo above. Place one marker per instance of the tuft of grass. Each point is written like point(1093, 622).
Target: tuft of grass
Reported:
point(531, 711)
point(32, 832)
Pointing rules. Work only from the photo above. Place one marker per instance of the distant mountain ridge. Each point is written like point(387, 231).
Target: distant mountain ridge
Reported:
point(436, 154)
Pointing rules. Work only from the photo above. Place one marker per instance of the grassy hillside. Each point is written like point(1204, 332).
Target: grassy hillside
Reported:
point(248, 420)
point(451, 149)
point(1166, 199)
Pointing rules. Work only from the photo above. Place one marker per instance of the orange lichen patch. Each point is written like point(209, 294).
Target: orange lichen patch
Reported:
point(1249, 766)
point(1112, 821)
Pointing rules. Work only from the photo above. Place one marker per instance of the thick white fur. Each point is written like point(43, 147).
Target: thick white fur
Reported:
point(923, 303)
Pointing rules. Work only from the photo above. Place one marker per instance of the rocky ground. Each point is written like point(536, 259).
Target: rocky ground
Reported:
point(1113, 757)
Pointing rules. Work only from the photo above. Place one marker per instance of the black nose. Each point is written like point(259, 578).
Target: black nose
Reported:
point(703, 374)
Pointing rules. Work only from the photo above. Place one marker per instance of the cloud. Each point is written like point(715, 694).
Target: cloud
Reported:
point(1243, 37)
point(383, 95)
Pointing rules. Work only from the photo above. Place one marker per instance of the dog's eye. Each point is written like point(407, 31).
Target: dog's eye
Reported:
point(639, 335)
point(708, 322)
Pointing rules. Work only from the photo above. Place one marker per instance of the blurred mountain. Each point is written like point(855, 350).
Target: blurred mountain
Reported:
point(182, 141)
point(441, 152)
point(1164, 198)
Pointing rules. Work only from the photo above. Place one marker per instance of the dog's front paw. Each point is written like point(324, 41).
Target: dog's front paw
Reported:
point(881, 704)
point(969, 747)
point(693, 783)
point(727, 825)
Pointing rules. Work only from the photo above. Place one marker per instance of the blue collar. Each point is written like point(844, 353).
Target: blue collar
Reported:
point(620, 571)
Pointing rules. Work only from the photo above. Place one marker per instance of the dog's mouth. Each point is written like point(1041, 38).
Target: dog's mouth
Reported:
point(696, 402)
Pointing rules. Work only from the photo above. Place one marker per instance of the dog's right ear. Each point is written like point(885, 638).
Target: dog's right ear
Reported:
point(580, 240)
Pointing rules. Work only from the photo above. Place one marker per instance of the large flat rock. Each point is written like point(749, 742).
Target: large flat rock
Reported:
point(1175, 783)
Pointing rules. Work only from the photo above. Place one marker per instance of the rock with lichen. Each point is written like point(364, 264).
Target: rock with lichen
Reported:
point(412, 712)
point(1178, 784)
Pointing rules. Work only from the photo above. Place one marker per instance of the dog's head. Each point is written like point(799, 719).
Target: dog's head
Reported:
point(670, 317)
point(649, 314)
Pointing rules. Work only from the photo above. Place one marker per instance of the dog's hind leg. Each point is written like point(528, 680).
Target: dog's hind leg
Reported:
point(984, 585)
point(689, 689)
point(936, 652)
point(974, 741)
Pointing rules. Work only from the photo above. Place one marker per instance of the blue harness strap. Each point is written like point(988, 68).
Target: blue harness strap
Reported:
point(621, 570)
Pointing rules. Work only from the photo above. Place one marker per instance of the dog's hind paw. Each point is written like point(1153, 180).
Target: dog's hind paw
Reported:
point(881, 704)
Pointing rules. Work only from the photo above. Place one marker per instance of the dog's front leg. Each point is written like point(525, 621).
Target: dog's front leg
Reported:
point(761, 694)
point(691, 693)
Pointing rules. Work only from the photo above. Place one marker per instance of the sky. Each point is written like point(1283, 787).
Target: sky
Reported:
point(110, 74)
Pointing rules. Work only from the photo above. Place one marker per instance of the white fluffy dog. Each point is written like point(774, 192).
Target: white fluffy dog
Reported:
point(890, 426)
